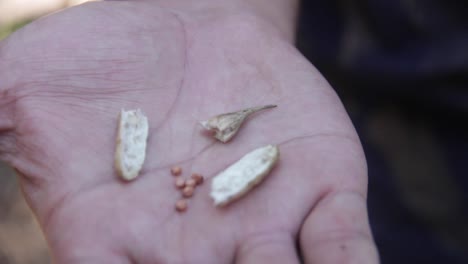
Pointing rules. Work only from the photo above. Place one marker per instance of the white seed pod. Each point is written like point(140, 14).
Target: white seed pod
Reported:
point(226, 125)
point(239, 178)
point(131, 143)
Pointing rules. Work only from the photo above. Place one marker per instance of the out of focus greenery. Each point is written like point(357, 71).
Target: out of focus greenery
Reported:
point(8, 29)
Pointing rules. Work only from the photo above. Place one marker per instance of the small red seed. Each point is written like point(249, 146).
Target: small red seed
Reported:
point(181, 205)
point(190, 182)
point(180, 183)
point(176, 170)
point(198, 178)
point(187, 191)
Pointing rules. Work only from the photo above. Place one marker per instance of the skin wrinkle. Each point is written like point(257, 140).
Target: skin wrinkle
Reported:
point(261, 239)
point(57, 129)
point(8, 139)
point(8, 143)
point(320, 197)
point(63, 81)
point(77, 95)
point(31, 63)
point(337, 234)
point(344, 235)
point(71, 94)
point(33, 180)
point(95, 76)
point(341, 235)
point(346, 137)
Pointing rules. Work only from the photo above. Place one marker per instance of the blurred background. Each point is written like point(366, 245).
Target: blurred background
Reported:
point(401, 69)
point(21, 240)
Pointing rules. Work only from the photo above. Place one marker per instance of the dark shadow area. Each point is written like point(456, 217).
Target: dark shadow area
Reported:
point(401, 69)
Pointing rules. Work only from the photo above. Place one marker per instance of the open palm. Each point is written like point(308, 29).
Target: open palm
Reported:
point(70, 74)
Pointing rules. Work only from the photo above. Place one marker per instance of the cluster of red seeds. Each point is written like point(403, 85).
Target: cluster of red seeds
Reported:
point(186, 186)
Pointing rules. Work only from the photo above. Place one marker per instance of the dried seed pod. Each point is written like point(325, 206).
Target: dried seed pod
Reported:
point(225, 126)
point(131, 143)
point(242, 176)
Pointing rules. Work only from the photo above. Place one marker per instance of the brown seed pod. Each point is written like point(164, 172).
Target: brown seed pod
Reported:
point(225, 126)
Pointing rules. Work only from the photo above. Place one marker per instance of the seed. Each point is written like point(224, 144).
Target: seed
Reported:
point(181, 205)
point(180, 183)
point(225, 126)
point(198, 178)
point(176, 170)
point(190, 182)
point(187, 191)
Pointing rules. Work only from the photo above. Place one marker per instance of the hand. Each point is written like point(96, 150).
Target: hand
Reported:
point(67, 76)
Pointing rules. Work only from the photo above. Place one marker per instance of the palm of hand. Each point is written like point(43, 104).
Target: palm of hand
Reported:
point(178, 70)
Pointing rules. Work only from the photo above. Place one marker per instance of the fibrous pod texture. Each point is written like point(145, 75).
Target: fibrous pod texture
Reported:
point(225, 126)
point(131, 143)
point(239, 178)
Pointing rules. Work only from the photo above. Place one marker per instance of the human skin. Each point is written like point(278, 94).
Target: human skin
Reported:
point(64, 79)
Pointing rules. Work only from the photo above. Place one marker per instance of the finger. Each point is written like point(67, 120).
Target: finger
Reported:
point(268, 248)
point(337, 231)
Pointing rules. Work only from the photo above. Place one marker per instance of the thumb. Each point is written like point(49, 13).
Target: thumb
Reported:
point(337, 231)
point(274, 247)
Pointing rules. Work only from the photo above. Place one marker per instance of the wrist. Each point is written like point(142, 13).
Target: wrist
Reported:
point(279, 15)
